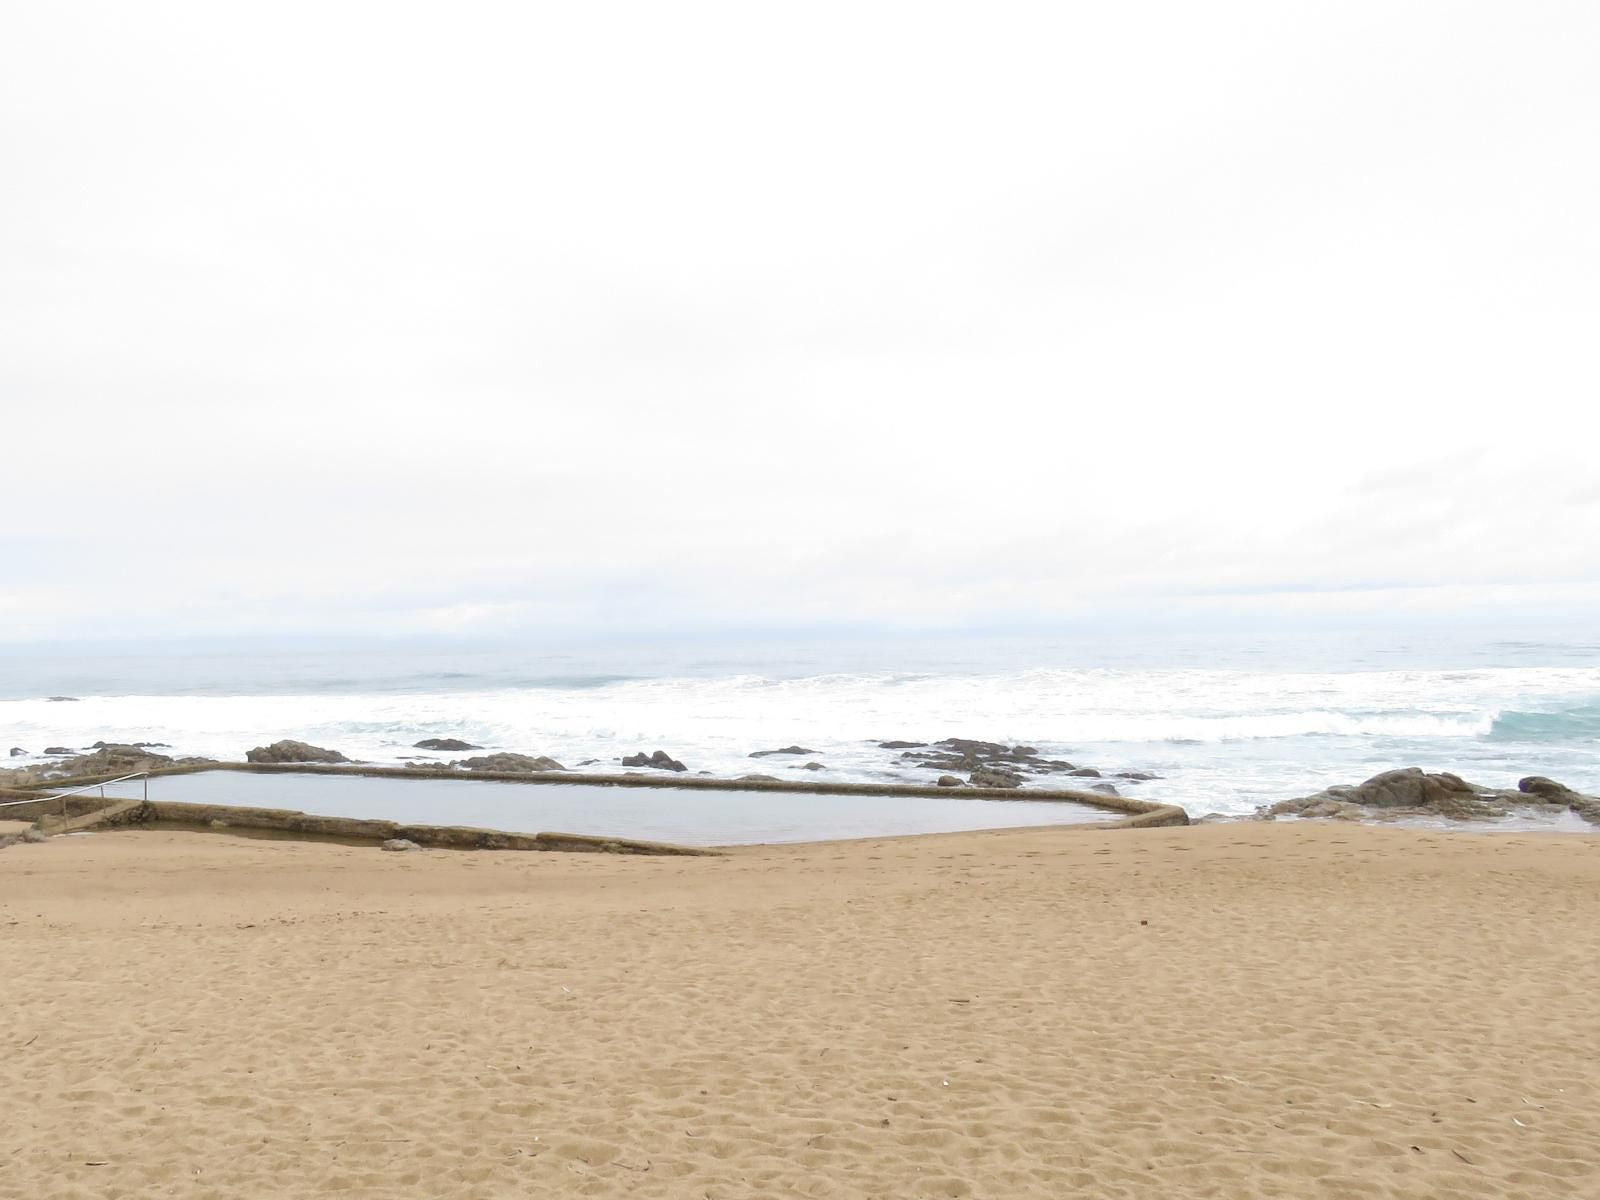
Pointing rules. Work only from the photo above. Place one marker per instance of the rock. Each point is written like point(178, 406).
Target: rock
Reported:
point(400, 845)
point(109, 760)
point(660, 760)
point(17, 752)
point(1137, 776)
point(759, 779)
point(33, 835)
point(901, 745)
point(810, 766)
point(62, 699)
point(130, 746)
point(993, 777)
point(427, 766)
point(1408, 789)
point(949, 781)
point(785, 750)
point(1105, 789)
point(964, 755)
point(58, 750)
point(290, 751)
point(1085, 772)
point(444, 744)
point(509, 763)
point(1548, 791)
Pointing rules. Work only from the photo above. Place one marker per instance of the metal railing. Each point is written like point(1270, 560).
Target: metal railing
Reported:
point(102, 785)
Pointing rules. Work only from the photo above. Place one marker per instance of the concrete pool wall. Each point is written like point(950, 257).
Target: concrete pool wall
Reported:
point(366, 826)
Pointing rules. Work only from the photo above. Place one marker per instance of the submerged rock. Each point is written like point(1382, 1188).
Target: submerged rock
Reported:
point(444, 744)
point(785, 750)
point(660, 760)
point(62, 699)
point(290, 751)
point(901, 745)
point(58, 750)
point(509, 763)
point(759, 779)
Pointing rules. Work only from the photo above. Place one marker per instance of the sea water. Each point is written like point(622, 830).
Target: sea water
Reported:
point(1228, 722)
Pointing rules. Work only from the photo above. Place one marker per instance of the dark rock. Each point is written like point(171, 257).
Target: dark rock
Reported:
point(427, 765)
point(975, 749)
point(810, 766)
point(965, 755)
point(290, 751)
point(949, 781)
point(660, 760)
point(785, 750)
point(444, 744)
point(1085, 772)
point(901, 745)
point(1105, 789)
point(588, 762)
point(130, 746)
point(57, 750)
point(1548, 791)
point(518, 764)
point(994, 777)
point(17, 752)
point(1137, 776)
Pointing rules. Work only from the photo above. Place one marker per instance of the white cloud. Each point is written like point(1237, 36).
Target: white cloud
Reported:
point(359, 317)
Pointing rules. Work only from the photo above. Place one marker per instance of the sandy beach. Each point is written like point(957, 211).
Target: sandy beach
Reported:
point(1291, 1010)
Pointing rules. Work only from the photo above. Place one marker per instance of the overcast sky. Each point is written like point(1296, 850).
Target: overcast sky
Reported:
point(478, 318)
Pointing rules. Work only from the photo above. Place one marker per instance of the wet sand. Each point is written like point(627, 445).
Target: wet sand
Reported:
point(1228, 1011)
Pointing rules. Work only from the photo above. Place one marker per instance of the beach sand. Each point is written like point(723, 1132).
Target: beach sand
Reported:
point(1292, 1010)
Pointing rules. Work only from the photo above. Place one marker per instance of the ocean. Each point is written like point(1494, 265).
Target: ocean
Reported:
point(1227, 722)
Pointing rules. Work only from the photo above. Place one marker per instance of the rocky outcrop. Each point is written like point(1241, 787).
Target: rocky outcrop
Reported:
point(964, 756)
point(785, 750)
point(290, 751)
point(660, 760)
point(444, 744)
point(1411, 791)
point(17, 752)
point(510, 764)
point(58, 750)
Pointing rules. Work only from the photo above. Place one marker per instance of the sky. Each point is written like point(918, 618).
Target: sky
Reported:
point(475, 319)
